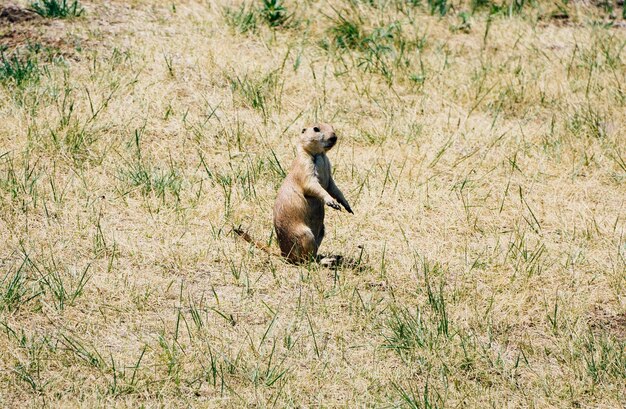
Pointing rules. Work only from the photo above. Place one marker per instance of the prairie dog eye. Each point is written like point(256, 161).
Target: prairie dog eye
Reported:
point(316, 129)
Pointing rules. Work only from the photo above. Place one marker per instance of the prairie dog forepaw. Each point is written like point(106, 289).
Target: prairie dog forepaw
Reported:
point(347, 207)
point(333, 203)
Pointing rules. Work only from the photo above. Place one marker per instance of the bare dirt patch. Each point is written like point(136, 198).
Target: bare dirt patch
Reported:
point(15, 14)
point(615, 324)
point(21, 28)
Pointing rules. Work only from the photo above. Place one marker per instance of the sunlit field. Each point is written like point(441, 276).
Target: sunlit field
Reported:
point(482, 147)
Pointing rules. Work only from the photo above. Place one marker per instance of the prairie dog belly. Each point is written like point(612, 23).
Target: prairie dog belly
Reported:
point(315, 216)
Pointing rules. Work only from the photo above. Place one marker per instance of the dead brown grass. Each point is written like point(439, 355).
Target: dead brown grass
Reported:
point(485, 164)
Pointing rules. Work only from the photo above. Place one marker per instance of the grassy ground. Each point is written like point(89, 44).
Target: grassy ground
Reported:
point(482, 148)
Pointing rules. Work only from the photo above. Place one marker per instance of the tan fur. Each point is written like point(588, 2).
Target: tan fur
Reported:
point(255, 243)
point(309, 186)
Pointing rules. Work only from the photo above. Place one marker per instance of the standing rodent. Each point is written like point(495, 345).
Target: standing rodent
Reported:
point(309, 186)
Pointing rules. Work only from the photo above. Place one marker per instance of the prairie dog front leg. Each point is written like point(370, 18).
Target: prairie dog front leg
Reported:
point(335, 192)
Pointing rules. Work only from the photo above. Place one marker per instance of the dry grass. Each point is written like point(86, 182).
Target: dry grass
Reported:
point(484, 156)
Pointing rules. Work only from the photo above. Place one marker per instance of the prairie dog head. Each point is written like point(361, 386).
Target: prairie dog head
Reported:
point(318, 138)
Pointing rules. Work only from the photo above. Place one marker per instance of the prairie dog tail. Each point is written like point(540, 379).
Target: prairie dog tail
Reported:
point(255, 243)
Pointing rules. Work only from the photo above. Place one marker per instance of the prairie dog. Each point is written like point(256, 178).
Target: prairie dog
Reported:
point(309, 186)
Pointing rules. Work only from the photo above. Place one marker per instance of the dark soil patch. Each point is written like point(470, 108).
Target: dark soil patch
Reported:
point(614, 324)
point(22, 29)
point(15, 37)
point(16, 14)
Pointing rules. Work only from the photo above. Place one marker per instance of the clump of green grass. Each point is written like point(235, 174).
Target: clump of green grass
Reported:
point(274, 13)
point(380, 50)
point(57, 8)
point(149, 179)
point(513, 7)
point(417, 398)
point(18, 70)
point(44, 53)
point(19, 182)
point(64, 288)
point(603, 356)
point(63, 285)
point(13, 290)
point(246, 18)
point(243, 19)
point(257, 92)
point(153, 180)
point(442, 7)
point(438, 7)
point(347, 33)
point(407, 331)
point(588, 122)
